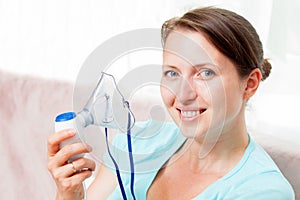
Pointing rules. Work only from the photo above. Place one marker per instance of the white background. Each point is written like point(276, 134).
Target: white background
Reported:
point(52, 38)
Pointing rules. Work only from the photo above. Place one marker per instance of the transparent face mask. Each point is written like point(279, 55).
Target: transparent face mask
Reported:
point(107, 107)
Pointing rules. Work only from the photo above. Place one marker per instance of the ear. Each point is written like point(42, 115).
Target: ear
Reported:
point(252, 83)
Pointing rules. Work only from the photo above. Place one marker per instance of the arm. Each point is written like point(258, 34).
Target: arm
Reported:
point(103, 185)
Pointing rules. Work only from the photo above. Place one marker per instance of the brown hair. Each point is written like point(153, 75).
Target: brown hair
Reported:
point(229, 32)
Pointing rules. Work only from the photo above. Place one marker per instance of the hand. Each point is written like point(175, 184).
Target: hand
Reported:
point(68, 176)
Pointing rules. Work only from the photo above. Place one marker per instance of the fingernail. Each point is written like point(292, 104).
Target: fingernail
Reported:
point(89, 148)
point(71, 131)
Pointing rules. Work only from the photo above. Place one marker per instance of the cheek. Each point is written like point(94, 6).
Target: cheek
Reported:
point(217, 104)
point(218, 97)
point(212, 93)
point(234, 98)
point(167, 96)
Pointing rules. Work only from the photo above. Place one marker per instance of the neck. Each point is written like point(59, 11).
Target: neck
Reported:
point(219, 151)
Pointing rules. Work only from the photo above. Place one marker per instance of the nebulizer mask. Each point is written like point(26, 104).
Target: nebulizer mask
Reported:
point(108, 108)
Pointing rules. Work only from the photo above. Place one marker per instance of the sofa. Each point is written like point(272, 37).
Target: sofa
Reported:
point(28, 106)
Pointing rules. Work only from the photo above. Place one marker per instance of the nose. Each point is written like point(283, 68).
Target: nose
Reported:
point(187, 92)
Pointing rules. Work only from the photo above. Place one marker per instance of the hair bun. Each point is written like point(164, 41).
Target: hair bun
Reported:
point(266, 69)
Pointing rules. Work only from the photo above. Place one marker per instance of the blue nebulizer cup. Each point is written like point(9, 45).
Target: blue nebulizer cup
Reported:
point(68, 120)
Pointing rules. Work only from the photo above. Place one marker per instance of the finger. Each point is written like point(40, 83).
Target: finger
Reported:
point(84, 163)
point(68, 151)
point(63, 172)
point(79, 177)
point(55, 139)
point(74, 167)
point(72, 183)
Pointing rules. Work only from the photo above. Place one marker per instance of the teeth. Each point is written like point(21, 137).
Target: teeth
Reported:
point(190, 113)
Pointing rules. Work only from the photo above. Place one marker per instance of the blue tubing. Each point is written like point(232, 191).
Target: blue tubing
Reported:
point(130, 158)
point(116, 166)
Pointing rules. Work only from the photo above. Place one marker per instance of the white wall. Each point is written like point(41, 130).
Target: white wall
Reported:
point(52, 38)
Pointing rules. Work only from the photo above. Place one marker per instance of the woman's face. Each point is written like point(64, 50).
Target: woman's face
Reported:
point(200, 86)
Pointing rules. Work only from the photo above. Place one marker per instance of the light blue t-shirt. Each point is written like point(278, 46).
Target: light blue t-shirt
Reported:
point(255, 177)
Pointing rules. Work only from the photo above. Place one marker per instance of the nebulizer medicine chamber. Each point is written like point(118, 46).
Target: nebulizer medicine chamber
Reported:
point(108, 108)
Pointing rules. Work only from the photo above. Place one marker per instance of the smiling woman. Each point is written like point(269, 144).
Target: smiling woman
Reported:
point(212, 65)
point(207, 102)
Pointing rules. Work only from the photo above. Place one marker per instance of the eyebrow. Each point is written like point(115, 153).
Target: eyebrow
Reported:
point(204, 64)
point(170, 66)
point(197, 66)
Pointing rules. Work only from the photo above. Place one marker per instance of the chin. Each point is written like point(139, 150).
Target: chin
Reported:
point(193, 131)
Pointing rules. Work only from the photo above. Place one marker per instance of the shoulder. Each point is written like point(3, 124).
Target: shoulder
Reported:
point(266, 185)
point(259, 178)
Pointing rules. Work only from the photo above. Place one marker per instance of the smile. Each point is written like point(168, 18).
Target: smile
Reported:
point(191, 114)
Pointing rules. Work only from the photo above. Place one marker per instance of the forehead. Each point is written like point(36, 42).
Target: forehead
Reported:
point(190, 47)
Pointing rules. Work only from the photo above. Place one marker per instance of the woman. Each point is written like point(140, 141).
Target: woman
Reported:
point(212, 64)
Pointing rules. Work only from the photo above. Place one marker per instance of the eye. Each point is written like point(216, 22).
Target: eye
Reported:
point(171, 74)
point(207, 74)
